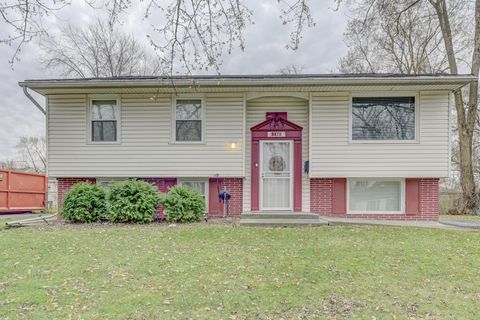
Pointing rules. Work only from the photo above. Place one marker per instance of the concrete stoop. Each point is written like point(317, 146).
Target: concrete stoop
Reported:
point(281, 219)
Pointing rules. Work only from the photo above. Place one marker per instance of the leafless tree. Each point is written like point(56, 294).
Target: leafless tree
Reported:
point(189, 35)
point(33, 152)
point(9, 164)
point(292, 69)
point(416, 36)
point(23, 20)
point(98, 51)
point(382, 38)
point(196, 33)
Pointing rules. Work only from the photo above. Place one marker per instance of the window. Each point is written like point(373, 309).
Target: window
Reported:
point(199, 185)
point(106, 182)
point(188, 121)
point(104, 116)
point(383, 118)
point(370, 196)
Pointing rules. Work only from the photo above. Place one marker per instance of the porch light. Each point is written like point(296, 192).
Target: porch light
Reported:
point(233, 145)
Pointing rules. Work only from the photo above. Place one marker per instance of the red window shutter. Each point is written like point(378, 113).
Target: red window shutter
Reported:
point(412, 196)
point(169, 182)
point(339, 198)
point(215, 207)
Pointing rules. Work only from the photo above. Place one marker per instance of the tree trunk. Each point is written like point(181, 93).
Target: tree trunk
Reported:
point(467, 180)
point(466, 117)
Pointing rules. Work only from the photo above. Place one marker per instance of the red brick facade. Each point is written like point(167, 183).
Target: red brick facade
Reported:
point(429, 198)
point(327, 197)
point(162, 184)
point(326, 194)
point(64, 184)
point(321, 196)
point(235, 187)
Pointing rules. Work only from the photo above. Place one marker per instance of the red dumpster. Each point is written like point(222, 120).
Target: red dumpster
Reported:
point(22, 191)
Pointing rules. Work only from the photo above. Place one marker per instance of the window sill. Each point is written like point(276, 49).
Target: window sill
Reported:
point(383, 141)
point(105, 143)
point(187, 143)
point(374, 212)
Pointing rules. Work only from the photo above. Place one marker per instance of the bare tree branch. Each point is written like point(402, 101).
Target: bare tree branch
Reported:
point(189, 35)
point(298, 14)
point(292, 69)
point(98, 51)
point(33, 152)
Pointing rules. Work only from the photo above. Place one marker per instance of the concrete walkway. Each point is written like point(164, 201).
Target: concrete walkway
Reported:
point(470, 224)
point(20, 215)
point(393, 223)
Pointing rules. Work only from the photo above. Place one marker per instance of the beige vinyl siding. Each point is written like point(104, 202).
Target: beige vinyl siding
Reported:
point(297, 110)
point(146, 148)
point(333, 156)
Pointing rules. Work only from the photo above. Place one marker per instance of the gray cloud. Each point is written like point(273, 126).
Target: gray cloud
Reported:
point(265, 52)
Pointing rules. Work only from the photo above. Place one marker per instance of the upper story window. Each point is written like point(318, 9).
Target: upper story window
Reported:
point(383, 118)
point(188, 120)
point(104, 119)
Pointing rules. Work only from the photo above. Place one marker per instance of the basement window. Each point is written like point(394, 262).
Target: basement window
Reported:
point(376, 195)
point(107, 182)
point(197, 184)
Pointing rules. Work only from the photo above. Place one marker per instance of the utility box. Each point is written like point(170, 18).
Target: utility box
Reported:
point(22, 191)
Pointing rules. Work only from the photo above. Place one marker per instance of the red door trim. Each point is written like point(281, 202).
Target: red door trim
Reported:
point(285, 130)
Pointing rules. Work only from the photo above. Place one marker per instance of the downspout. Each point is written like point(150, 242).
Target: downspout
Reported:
point(42, 110)
point(35, 102)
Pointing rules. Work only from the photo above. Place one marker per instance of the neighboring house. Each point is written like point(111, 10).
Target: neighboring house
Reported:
point(363, 145)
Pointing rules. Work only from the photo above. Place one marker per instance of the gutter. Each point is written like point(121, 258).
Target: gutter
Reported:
point(460, 80)
point(35, 102)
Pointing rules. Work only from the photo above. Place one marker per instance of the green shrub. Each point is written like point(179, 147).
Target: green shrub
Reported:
point(182, 204)
point(85, 202)
point(133, 201)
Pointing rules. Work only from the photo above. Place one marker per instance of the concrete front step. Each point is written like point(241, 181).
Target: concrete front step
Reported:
point(282, 222)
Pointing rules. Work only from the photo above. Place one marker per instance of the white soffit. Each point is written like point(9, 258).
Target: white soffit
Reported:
point(242, 84)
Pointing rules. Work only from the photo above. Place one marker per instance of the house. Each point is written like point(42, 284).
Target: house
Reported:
point(344, 145)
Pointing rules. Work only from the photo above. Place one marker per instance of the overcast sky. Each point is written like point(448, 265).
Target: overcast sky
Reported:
point(265, 52)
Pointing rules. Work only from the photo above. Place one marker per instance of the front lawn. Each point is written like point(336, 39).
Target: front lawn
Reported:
point(216, 272)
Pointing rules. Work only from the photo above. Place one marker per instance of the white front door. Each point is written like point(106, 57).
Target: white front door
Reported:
point(276, 175)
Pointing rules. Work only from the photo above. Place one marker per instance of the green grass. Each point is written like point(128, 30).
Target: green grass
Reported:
point(218, 272)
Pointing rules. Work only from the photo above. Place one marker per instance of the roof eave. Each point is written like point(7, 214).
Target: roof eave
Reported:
point(456, 80)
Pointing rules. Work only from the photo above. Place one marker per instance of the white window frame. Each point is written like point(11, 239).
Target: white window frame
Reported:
point(402, 196)
point(100, 181)
point(380, 94)
point(181, 181)
point(118, 112)
point(201, 98)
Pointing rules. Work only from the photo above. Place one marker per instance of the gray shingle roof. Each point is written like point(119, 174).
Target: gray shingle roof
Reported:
point(259, 77)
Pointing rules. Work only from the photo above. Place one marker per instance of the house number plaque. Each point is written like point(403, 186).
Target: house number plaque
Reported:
point(276, 134)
